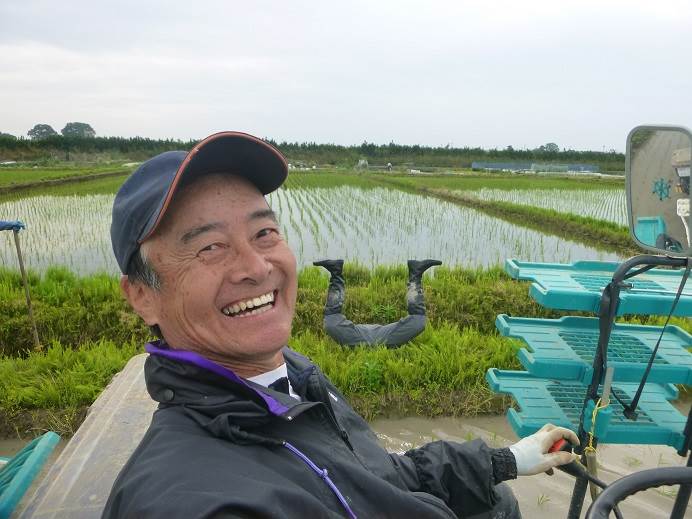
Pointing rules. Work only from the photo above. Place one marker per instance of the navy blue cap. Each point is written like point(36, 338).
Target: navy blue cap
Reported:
point(145, 196)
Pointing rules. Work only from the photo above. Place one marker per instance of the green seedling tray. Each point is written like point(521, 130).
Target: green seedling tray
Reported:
point(559, 402)
point(578, 286)
point(564, 349)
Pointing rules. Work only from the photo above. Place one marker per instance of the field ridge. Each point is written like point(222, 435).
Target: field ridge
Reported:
point(595, 233)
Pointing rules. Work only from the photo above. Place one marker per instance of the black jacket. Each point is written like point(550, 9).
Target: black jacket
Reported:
point(222, 447)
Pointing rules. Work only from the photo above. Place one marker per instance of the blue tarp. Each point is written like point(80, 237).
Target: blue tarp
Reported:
point(11, 225)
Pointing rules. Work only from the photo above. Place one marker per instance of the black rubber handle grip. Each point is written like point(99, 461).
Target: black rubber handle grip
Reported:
point(633, 483)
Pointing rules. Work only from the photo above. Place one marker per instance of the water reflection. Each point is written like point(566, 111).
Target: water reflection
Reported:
point(372, 227)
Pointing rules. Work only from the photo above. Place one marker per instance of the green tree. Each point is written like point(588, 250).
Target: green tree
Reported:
point(4, 135)
point(551, 147)
point(41, 131)
point(78, 130)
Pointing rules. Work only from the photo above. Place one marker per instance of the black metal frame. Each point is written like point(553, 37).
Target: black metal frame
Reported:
point(607, 312)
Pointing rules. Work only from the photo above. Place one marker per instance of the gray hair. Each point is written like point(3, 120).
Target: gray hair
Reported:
point(139, 270)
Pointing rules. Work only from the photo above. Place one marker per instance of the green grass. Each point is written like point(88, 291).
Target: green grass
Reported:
point(441, 372)
point(327, 178)
point(13, 176)
point(475, 180)
point(88, 333)
point(73, 310)
point(98, 186)
point(61, 376)
point(438, 373)
point(67, 309)
point(462, 180)
point(50, 390)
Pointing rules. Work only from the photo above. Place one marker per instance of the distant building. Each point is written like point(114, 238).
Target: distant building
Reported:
point(535, 167)
point(501, 166)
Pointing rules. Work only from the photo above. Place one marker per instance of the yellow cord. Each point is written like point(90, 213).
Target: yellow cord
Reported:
point(596, 409)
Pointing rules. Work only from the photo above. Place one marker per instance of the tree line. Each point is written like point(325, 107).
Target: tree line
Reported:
point(308, 153)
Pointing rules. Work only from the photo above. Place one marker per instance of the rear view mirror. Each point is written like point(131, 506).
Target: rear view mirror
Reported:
point(657, 169)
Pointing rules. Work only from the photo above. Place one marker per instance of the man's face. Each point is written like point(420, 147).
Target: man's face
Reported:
point(228, 278)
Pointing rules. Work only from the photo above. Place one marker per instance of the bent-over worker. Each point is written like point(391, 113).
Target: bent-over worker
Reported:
point(348, 333)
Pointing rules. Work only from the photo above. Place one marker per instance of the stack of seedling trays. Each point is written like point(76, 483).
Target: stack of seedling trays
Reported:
point(558, 353)
point(578, 286)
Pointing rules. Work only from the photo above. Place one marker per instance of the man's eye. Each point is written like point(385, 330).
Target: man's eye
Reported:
point(211, 247)
point(267, 232)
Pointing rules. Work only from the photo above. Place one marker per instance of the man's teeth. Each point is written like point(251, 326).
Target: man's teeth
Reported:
point(251, 305)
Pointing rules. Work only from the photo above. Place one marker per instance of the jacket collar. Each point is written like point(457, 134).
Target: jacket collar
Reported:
point(186, 378)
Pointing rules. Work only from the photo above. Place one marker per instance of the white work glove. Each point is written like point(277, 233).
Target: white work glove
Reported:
point(531, 453)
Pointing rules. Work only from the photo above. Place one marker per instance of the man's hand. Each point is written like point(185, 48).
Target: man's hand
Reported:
point(531, 453)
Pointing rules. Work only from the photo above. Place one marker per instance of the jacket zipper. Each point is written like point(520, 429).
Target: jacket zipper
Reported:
point(330, 412)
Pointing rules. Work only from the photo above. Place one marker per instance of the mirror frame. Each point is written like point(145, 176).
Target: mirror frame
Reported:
point(628, 187)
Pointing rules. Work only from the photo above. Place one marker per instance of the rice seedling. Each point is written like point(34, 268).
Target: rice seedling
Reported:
point(542, 499)
point(385, 226)
point(601, 204)
point(632, 462)
point(377, 226)
point(592, 232)
point(73, 231)
point(372, 225)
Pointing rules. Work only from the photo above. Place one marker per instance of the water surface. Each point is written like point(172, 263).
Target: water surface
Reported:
point(369, 226)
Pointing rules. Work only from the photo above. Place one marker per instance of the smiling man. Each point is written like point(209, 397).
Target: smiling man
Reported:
point(245, 426)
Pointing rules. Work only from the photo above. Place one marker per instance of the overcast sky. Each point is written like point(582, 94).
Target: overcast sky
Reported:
point(485, 73)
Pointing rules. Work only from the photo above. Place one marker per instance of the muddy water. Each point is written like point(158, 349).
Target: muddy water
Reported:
point(542, 496)
point(9, 448)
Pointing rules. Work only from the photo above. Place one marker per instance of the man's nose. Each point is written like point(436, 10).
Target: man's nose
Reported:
point(250, 265)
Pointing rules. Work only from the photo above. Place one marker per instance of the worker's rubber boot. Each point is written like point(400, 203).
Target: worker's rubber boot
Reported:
point(336, 290)
point(414, 290)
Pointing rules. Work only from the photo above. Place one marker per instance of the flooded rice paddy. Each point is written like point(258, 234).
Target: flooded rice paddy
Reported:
point(368, 226)
point(602, 204)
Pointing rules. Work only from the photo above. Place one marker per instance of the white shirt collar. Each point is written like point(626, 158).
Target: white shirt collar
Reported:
point(264, 379)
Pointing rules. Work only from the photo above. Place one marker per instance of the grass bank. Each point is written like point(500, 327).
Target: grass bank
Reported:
point(51, 389)
point(88, 334)
point(22, 177)
point(598, 234)
point(74, 310)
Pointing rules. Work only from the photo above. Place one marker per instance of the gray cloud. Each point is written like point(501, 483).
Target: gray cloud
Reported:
point(491, 74)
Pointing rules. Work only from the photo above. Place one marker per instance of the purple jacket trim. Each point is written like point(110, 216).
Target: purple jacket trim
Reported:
point(189, 357)
point(325, 477)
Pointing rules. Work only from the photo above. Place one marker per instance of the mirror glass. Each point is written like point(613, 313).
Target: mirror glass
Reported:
point(658, 188)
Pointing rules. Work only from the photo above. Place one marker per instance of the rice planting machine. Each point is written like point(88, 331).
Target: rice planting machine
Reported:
point(613, 382)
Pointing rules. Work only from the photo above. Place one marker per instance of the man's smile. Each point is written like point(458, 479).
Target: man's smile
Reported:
point(251, 306)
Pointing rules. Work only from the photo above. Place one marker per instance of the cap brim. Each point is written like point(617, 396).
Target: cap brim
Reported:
point(233, 153)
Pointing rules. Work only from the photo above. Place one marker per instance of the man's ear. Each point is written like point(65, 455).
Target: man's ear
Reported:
point(142, 298)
